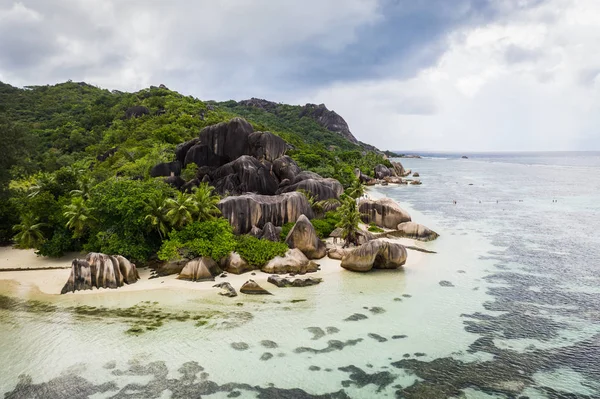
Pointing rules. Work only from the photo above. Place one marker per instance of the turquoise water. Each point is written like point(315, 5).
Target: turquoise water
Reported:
point(508, 307)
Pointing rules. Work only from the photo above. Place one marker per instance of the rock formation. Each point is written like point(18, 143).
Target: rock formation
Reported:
point(399, 169)
point(416, 231)
point(337, 253)
point(268, 232)
point(267, 146)
point(296, 282)
point(382, 171)
point(416, 182)
point(293, 261)
point(286, 168)
point(175, 181)
point(416, 174)
point(378, 254)
point(136, 111)
point(304, 237)
point(245, 211)
point(383, 212)
point(169, 268)
point(245, 174)
point(226, 289)
point(100, 271)
point(198, 270)
point(252, 288)
point(329, 120)
point(166, 169)
point(233, 263)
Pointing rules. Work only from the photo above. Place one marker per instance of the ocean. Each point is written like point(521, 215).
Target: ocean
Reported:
point(507, 307)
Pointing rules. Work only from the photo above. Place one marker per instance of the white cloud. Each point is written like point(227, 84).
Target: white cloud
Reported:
point(543, 95)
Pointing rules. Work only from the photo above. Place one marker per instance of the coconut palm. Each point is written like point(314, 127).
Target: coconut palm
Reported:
point(206, 202)
point(349, 219)
point(85, 184)
point(322, 206)
point(42, 183)
point(157, 215)
point(356, 189)
point(181, 210)
point(78, 215)
point(29, 233)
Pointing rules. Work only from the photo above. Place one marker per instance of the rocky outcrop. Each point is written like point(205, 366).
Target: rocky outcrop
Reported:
point(246, 174)
point(203, 155)
point(267, 146)
point(226, 289)
point(251, 287)
point(382, 171)
point(293, 261)
point(286, 168)
point(166, 169)
point(329, 120)
point(337, 253)
point(304, 237)
point(416, 231)
point(228, 139)
point(399, 169)
point(169, 268)
point(383, 212)
point(100, 271)
point(175, 181)
point(270, 232)
point(296, 282)
point(320, 189)
point(416, 182)
point(198, 270)
point(245, 211)
point(416, 174)
point(233, 263)
point(136, 111)
point(364, 178)
point(378, 254)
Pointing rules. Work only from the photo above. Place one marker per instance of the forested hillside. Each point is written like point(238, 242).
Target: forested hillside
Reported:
point(75, 160)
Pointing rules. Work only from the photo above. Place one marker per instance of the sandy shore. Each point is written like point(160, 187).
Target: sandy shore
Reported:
point(50, 282)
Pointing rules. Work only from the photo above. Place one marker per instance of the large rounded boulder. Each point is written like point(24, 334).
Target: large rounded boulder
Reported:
point(304, 237)
point(416, 231)
point(246, 174)
point(100, 271)
point(267, 146)
point(235, 264)
point(378, 254)
point(198, 270)
point(293, 261)
point(383, 212)
point(286, 168)
point(382, 171)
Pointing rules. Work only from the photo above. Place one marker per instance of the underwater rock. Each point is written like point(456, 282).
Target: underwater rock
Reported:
point(383, 212)
point(100, 271)
point(304, 237)
point(293, 261)
point(250, 287)
point(378, 254)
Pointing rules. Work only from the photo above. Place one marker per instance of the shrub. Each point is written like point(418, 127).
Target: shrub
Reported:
point(374, 228)
point(326, 225)
point(285, 229)
point(213, 238)
point(258, 252)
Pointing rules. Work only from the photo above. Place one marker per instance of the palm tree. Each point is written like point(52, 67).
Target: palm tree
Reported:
point(181, 209)
point(349, 219)
point(206, 202)
point(29, 233)
point(157, 215)
point(42, 183)
point(322, 206)
point(356, 189)
point(78, 214)
point(85, 184)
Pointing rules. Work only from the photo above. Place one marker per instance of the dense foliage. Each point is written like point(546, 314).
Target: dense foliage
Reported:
point(258, 252)
point(74, 171)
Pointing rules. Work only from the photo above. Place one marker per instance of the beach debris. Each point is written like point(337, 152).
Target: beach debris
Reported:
point(296, 282)
point(227, 289)
point(251, 287)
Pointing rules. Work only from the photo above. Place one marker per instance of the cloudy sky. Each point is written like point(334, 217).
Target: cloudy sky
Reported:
point(406, 74)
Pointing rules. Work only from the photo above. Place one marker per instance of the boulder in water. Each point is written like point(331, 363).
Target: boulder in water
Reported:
point(416, 231)
point(304, 237)
point(383, 212)
point(296, 282)
point(251, 287)
point(378, 254)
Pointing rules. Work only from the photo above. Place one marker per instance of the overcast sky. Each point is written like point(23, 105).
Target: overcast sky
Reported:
point(459, 75)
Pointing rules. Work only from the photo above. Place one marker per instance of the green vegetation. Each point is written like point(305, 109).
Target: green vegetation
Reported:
point(349, 219)
point(74, 171)
point(258, 252)
point(374, 228)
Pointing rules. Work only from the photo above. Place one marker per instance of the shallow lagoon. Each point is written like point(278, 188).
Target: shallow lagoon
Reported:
point(516, 319)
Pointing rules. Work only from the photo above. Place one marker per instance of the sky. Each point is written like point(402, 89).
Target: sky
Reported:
point(446, 75)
